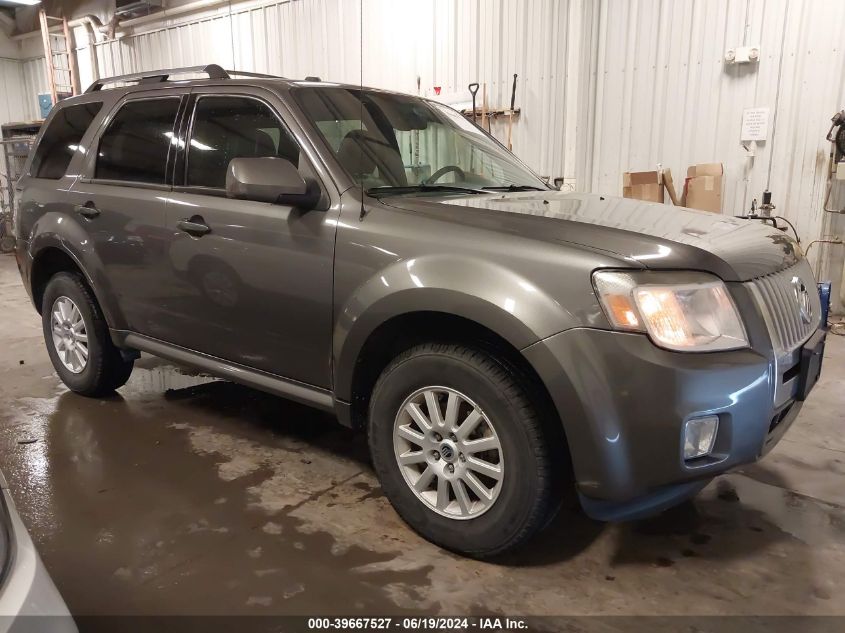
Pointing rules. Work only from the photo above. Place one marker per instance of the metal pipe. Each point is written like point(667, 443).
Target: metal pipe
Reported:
point(827, 239)
point(92, 24)
point(827, 198)
point(102, 28)
point(199, 5)
point(90, 21)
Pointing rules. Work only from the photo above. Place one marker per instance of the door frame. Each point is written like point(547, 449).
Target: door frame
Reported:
point(89, 166)
point(276, 104)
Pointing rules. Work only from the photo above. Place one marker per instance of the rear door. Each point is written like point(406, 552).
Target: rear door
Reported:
point(255, 286)
point(122, 197)
point(54, 166)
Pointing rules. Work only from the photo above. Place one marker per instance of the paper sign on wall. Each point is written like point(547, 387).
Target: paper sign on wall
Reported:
point(755, 124)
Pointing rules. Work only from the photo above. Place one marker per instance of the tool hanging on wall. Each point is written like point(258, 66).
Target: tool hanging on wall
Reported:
point(837, 157)
point(837, 138)
point(510, 115)
point(485, 123)
point(473, 90)
point(416, 134)
point(487, 113)
point(487, 110)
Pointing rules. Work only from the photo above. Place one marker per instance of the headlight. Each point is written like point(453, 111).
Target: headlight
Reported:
point(696, 314)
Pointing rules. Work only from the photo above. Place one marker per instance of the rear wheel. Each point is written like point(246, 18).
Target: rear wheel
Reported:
point(459, 449)
point(78, 340)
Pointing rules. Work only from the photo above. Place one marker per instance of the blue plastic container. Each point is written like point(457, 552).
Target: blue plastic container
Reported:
point(824, 295)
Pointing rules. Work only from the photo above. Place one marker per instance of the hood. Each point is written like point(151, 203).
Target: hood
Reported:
point(656, 236)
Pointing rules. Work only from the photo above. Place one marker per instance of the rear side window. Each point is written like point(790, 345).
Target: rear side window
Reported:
point(61, 140)
point(233, 127)
point(135, 145)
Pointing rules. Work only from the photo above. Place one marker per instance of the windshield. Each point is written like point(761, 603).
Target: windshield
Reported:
point(393, 144)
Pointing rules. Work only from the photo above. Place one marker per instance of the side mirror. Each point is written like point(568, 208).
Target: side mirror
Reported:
point(270, 179)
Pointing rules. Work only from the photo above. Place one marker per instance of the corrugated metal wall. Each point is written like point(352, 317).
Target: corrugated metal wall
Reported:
point(447, 43)
point(12, 92)
point(13, 98)
point(35, 83)
point(657, 90)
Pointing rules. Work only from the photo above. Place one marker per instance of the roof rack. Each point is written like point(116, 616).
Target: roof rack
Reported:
point(243, 73)
point(157, 76)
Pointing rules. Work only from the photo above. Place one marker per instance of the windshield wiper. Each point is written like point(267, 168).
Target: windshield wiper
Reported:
point(514, 188)
point(376, 191)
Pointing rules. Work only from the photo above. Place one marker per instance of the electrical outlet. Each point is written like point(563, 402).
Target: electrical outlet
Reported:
point(742, 55)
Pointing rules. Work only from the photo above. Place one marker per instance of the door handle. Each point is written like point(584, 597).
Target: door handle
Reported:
point(195, 226)
point(87, 210)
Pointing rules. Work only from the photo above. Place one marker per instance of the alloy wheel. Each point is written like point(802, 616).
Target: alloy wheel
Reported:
point(70, 337)
point(449, 453)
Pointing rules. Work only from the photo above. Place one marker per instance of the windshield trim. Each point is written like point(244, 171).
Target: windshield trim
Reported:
point(398, 190)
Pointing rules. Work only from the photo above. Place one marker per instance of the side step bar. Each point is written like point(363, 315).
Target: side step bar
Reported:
point(290, 389)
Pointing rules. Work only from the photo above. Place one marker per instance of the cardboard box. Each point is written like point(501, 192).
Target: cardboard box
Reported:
point(703, 187)
point(642, 185)
point(669, 184)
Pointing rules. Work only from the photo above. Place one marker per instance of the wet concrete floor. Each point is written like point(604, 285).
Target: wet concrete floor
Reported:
point(187, 495)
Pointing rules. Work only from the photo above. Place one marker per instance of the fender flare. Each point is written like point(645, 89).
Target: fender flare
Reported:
point(474, 289)
point(76, 243)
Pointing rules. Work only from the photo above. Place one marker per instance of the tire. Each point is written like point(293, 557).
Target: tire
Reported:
point(104, 369)
point(518, 504)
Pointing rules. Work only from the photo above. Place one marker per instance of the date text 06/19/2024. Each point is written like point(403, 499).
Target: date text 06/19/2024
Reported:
point(419, 624)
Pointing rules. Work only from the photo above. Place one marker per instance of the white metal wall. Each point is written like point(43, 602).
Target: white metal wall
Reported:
point(656, 90)
point(446, 43)
point(12, 91)
point(35, 83)
point(12, 104)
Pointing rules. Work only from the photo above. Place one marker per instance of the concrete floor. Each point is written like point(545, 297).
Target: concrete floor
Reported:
point(184, 495)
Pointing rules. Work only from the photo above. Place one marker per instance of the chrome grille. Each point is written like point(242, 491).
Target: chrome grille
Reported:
point(776, 298)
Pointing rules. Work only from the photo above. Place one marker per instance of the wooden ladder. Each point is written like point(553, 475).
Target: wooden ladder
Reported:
point(61, 63)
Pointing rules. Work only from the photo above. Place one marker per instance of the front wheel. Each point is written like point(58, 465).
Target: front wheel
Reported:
point(78, 340)
point(459, 449)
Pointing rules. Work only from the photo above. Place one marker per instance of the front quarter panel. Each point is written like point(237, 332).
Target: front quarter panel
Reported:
point(394, 261)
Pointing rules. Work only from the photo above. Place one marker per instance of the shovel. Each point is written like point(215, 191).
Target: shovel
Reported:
point(473, 90)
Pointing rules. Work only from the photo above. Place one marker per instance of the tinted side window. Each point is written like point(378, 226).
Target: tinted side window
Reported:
point(61, 139)
point(233, 127)
point(135, 145)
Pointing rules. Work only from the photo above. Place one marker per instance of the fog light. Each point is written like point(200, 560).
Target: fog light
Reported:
point(699, 436)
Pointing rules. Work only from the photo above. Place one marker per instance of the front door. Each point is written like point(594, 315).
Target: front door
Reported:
point(121, 199)
point(251, 281)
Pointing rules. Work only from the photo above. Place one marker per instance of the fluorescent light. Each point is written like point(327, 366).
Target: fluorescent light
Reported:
point(26, 3)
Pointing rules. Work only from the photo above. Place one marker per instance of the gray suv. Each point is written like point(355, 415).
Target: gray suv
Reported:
point(377, 255)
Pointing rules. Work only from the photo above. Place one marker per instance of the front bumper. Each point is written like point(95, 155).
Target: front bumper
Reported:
point(623, 403)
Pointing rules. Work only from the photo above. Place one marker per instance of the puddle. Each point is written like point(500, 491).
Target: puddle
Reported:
point(151, 375)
